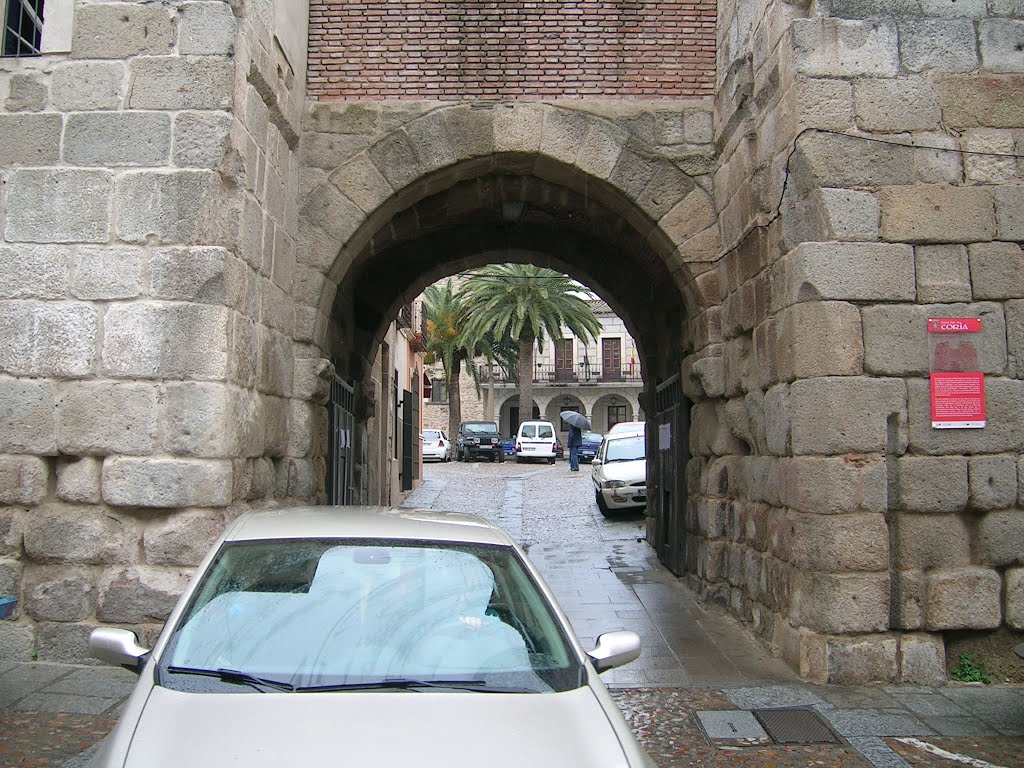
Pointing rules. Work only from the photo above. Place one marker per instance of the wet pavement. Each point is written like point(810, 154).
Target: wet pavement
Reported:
point(703, 693)
point(703, 684)
point(604, 573)
point(52, 714)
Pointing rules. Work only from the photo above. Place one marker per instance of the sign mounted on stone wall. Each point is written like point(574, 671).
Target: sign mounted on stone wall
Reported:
point(957, 387)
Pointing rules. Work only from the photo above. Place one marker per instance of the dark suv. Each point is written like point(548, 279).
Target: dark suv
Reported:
point(476, 439)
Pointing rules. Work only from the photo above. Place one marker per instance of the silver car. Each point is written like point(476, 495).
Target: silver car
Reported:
point(620, 472)
point(368, 636)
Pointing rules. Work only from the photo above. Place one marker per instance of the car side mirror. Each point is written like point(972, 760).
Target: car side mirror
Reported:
point(595, 461)
point(118, 647)
point(613, 649)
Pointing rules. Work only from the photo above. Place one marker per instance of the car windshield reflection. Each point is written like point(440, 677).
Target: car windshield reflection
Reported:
point(625, 449)
point(316, 615)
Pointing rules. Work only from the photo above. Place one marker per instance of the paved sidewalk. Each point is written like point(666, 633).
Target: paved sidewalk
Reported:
point(50, 715)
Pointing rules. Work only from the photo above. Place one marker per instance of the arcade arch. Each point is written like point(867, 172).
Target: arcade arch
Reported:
point(603, 408)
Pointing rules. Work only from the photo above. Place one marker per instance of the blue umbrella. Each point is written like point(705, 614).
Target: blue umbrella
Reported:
point(576, 419)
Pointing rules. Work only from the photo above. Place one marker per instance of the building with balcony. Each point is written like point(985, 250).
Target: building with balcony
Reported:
point(598, 378)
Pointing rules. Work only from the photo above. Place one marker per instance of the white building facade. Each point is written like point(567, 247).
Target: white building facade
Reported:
point(600, 378)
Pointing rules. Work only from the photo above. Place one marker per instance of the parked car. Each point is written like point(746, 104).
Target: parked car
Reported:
point(509, 445)
point(536, 440)
point(436, 445)
point(620, 472)
point(559, 449)
point(476, 439)
point(588, 450)
point(312, 630)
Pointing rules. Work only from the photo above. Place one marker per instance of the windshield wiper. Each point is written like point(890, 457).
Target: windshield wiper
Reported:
point(624, 458)
point(400, 684)
point(235, 676)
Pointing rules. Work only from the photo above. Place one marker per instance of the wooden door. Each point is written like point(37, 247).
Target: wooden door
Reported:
point(563, 360)
point(611, 359)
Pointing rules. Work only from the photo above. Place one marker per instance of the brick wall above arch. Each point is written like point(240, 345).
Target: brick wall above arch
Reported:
point(494, 50)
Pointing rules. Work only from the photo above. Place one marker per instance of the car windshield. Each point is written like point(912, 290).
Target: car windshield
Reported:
point(625, 449)
point(479, 429)
point(432, 434)
point(315, 615)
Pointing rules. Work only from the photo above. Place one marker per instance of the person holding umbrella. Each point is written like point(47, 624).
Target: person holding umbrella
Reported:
point(577, 423)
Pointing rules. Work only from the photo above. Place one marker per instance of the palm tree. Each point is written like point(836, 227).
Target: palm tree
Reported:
point(445, 319)
point(527, 303)
point(502, 352)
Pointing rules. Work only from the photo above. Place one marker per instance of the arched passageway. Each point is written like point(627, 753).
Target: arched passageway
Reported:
point(457, 188)
point(174, 306)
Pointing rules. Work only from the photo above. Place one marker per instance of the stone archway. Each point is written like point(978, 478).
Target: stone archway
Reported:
point(374, 200)
point(396, 198)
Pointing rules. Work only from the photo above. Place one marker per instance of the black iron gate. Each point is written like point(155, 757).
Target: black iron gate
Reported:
point(339, 449)
point(408, 451)
point(671, 444)
point(417, 436)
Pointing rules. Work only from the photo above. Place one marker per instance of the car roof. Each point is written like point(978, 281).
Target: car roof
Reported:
point(625, 433)
point(625, 426)
point(359, 522)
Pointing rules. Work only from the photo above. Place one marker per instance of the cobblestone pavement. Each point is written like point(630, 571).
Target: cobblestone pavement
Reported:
point(51, 714)
point(703, 693)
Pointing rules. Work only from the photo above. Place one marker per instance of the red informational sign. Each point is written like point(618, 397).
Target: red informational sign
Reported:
point(957, 387)
point(958, 400)
point(954, 325)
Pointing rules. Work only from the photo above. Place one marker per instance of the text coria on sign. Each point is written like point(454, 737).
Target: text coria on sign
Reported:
point(954, 325)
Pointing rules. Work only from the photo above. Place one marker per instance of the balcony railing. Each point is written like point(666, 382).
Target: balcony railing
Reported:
point(545, 373)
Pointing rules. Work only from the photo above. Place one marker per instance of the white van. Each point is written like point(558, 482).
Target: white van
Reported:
point(536, 440)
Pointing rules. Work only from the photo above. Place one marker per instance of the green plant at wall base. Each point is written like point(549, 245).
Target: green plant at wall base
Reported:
point(969, 671)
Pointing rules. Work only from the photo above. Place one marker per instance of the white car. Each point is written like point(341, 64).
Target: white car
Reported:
point(536, 440)
point(367, 636)
point(619, 472)
point(436, 445)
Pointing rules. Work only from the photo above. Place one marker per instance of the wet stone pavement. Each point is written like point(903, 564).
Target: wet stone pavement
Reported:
point(53, 714)
point(703, 693)
point(700, 690)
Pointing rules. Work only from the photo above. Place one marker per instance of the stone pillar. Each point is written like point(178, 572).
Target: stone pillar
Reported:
point(148, 377)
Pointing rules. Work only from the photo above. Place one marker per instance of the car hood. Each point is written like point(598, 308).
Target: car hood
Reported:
point(628, 471)
point(264, 730)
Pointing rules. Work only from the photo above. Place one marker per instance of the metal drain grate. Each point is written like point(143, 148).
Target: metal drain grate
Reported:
point(796, 726)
